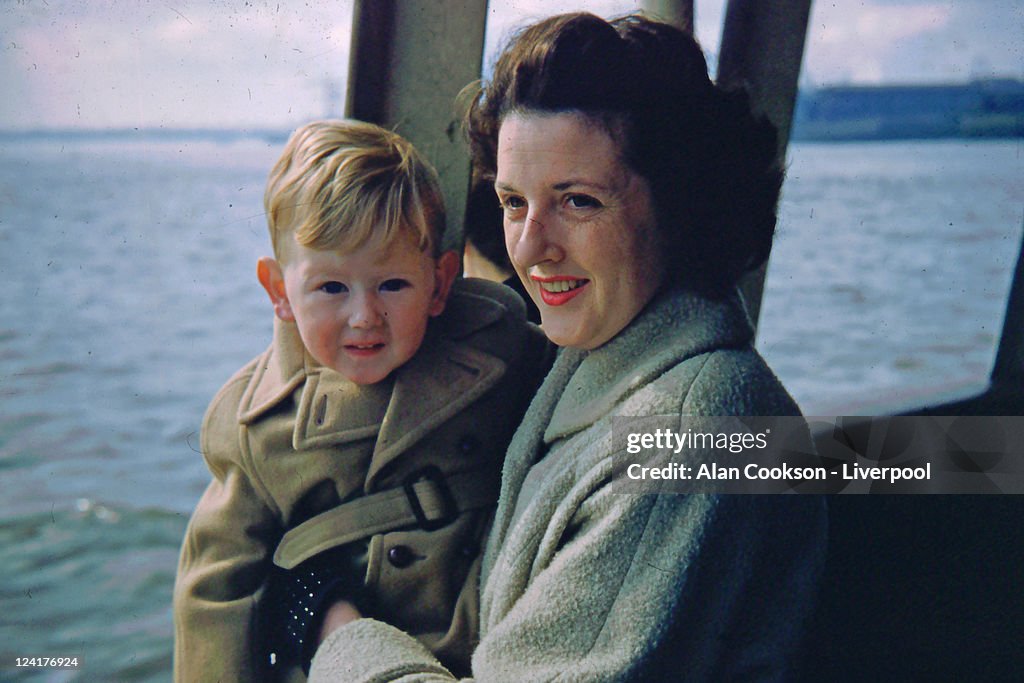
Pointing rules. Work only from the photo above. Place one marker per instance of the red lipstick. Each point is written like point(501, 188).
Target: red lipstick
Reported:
point(562, 297)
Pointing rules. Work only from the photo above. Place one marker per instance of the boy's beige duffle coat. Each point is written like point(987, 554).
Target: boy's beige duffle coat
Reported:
point(287, 440)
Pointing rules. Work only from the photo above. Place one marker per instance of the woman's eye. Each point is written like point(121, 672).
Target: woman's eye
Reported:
point(512, 203)
point(333, 288)
point(393, 285)
point(583, 201)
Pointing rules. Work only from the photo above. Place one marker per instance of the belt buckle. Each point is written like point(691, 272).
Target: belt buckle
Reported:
point(449, 510)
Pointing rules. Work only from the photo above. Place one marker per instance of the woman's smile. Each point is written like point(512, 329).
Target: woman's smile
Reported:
point(555, 291)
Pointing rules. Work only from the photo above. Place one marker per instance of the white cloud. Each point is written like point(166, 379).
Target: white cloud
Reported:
point(148, 64)
point(867, 42)
point(265, 62)
point(505, 16)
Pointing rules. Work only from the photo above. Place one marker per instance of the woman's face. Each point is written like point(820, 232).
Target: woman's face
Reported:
point(579, 226)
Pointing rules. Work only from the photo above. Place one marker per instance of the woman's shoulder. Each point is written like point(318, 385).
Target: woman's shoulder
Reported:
point(728, 381)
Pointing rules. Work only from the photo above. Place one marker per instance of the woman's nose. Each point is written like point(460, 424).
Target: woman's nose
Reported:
point(365, 313)
point(534, 240)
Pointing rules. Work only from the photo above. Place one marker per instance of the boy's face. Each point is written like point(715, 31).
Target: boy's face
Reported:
point(362, 313)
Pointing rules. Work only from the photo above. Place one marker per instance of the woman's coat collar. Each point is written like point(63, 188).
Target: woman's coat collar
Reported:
point(674, 326)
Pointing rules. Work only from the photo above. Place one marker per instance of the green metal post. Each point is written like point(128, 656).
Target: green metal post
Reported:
point(410, 59)
point(677, 12)
point(1008, 370)
point(762, 49)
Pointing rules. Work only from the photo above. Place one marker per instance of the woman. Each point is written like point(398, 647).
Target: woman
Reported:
point(635, 195)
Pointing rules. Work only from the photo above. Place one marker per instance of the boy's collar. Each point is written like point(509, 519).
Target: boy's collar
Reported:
point(440, 381)
point(279, 370)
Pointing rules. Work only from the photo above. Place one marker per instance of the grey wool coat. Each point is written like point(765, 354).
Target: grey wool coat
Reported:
point(590, 584)
point(288, 440)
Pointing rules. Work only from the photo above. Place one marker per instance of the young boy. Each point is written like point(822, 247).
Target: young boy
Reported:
point(361, 453)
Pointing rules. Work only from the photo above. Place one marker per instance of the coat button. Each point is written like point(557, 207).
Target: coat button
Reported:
point(401, 556)
point(469, 444)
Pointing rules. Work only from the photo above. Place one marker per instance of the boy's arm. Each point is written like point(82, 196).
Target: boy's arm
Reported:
point(224, 559)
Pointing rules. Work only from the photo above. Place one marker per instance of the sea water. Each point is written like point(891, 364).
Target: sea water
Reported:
point(130, 295)
point(891, 268)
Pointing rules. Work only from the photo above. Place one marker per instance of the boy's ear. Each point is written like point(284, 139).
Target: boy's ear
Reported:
point(445, 272)
point(271, 277)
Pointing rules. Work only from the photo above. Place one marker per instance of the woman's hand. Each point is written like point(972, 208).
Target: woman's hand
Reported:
point(336, 616)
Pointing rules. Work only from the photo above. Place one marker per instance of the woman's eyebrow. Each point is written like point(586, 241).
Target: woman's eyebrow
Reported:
point(578, 182)
point(560, 186)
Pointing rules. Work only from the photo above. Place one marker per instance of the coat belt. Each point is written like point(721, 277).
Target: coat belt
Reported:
point(427, 499)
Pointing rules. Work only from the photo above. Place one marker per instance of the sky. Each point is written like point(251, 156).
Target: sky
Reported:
point(271, 64)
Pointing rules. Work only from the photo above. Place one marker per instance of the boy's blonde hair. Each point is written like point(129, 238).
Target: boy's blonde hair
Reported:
point(342, 184)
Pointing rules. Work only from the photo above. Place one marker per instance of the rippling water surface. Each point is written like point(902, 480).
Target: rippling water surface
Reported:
point(132, 296)
point(891, 269)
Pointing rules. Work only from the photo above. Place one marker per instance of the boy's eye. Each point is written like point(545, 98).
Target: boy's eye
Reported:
point(583, 201)
point(393, 285)
point(333, 287)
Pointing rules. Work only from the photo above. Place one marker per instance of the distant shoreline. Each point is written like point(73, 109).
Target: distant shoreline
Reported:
point(271, 135)
point(983, 109)
point(979, 109)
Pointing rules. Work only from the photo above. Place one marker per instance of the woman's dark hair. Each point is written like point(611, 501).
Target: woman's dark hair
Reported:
point(710, 163)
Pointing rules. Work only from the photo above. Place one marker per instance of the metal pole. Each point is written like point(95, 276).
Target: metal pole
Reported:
point(410, 59)
point(762, 48)
point(677, 12)
point(1009, 363)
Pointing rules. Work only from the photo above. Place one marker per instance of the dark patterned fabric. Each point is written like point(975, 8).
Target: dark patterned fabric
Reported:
point(295, 599)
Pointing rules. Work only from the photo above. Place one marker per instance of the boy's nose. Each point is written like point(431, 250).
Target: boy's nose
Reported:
point(365, 313)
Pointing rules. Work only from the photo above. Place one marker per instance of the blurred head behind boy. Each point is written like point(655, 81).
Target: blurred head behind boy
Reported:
point(356, 217)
